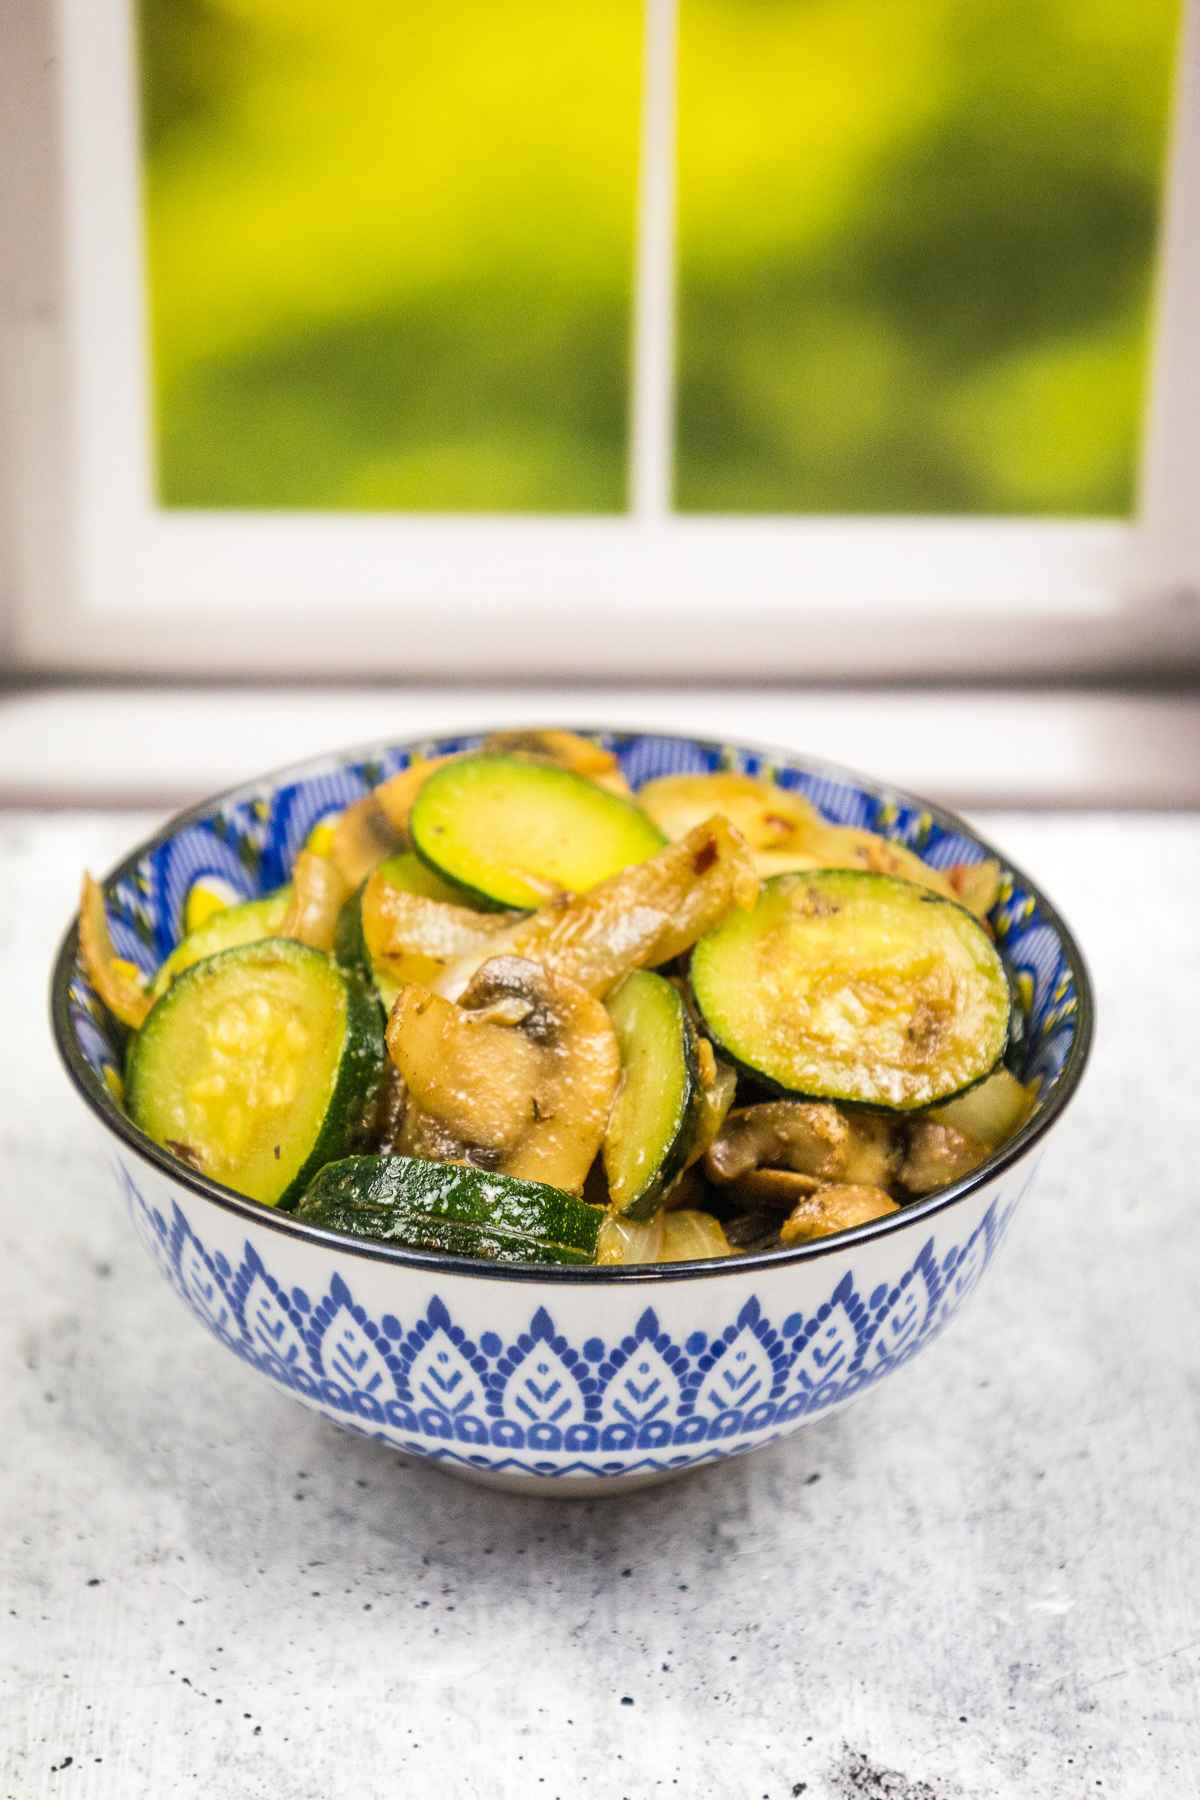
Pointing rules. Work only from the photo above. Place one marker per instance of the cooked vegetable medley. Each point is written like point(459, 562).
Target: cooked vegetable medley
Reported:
point(508, 1009)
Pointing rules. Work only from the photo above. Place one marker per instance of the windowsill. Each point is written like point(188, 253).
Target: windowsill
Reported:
point(162, 746)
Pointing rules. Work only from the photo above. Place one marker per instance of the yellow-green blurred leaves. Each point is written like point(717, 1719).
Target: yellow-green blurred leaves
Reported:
point(390, 250)
point(916, 251)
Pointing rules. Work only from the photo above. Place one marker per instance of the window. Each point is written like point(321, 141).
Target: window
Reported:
point(718, 335)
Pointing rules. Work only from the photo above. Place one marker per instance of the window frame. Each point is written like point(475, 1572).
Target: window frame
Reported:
point(105, 580)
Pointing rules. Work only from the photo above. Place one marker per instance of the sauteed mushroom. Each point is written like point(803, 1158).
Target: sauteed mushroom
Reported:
point(834, 1208)
point(810, 1139)
point(938, 1154)
point(519, 1077)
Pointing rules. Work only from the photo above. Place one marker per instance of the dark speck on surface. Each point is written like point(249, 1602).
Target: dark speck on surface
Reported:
point(94, 1581)
point(626, 1699)
point(814, 1477)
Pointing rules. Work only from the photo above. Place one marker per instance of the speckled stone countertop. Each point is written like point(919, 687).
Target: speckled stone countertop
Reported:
point(982, 1583)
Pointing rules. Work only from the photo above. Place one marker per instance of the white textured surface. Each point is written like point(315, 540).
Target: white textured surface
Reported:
point(161, 746)
point(981, 1584)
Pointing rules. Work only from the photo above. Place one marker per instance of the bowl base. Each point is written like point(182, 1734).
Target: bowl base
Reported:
point(557, 1487)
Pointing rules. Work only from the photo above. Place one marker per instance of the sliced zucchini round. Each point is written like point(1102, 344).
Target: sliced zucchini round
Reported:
point(257, 1066)
point(840, 985)
point(445, 1206)
point(246, 923)
point(654, 1115)
point(513, 833)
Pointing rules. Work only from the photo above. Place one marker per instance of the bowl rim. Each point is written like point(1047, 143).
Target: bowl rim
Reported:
point(98, 1098)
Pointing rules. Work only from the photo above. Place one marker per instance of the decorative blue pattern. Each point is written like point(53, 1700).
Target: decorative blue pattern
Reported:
point(251, 843)
point(642, 1403)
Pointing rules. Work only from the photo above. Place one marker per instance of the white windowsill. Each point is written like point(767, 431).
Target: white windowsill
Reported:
point(168, 746)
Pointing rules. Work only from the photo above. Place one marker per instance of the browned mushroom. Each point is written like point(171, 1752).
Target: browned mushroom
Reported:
point(834, 1208)
point(937, 1155)
point(638, 919)
point(774, 1189)
point(812, 1138)
point(520, 1077)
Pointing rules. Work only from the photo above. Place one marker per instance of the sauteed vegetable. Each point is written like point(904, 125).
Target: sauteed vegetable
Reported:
point(508, 1009)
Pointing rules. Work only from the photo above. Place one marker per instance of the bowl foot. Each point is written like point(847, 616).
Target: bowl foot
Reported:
point(558, 1487)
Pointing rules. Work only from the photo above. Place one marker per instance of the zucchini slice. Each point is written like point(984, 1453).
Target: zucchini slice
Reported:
point(514, 833)
point(654, 1115)
point(856, 987)
point(444, 1206)
point(247, 923)
point(257, 1066)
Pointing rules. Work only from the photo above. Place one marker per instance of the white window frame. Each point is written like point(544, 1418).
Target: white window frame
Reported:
point(102, 579)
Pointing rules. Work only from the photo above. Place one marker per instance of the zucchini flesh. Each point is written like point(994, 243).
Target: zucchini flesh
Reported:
point(855, 987)
point(257, 1066)
point(514, 833)
point(653, 1118)
point(448, 1207)
point(247, 923)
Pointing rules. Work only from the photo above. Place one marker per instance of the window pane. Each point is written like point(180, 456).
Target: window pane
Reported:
point(916, 248)
point(389, 251)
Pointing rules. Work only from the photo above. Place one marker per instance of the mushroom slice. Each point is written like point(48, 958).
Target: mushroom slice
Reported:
point(874, 1151)
point(808, 1138)
point(520, 1076)
point(811, 1139)
point(835, 1208)
point(318, 893)
point(638, 919)
point(937, 1155)
point(775, 1188)
point(363, 837)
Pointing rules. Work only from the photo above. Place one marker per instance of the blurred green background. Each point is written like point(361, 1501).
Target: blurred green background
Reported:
point(390, 252)
point(917, 249)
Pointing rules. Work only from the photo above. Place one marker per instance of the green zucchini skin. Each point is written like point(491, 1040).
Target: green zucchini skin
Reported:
point(174, 1038)
point(349, 941)
point(444, 1206)
point(476, 824)
point(246, 923)
point(719, 979)
point(654, 1117)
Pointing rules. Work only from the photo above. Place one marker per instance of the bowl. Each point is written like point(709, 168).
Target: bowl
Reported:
point(560, 1380)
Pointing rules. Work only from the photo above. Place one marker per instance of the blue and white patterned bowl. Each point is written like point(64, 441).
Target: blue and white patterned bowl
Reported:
point(571, 1381)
